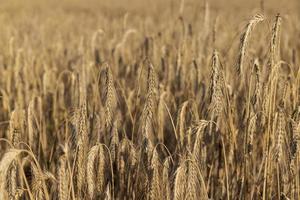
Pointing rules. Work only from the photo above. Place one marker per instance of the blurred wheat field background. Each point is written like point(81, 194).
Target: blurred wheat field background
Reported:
point(157, 100)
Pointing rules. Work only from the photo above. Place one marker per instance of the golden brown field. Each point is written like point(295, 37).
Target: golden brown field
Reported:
point(155, 100)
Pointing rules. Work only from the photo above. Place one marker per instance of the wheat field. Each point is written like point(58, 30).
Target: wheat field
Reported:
point(154, 100)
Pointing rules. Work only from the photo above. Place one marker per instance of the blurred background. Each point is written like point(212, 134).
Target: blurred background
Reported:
point(62, 20)
point(149, 6)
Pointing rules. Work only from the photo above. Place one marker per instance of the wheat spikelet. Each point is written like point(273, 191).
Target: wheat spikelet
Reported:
point(37, 182)
point(5, 164)
point(251, 131)
point(294, 151)
point(146, 153)
point(295, 139)
point(82, 142)
point(198, 149)
point(275, 41)
point(180, 183)
point(12, 180)
point(193, 182)
point(63, 179)
point(90, 173)
point(296, 114)
point(199, 139)
point(114, 142)
point(181, 121)
point(294, 146)
point(257, 90)
point(101, 170)
point(31, 118)
point(216, 82)
point(244, 41)
point(81, 128)
point(165, 181)
point(155, 187)
point(149, 107)
point(80, 167)
point(280, 132)
point(109, 95)
point(16, 126)
point(215, 74)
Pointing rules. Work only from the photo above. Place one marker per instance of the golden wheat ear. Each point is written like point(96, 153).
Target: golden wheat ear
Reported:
point(63, 179)
point(275, 41)
point(82, 141)
point(114, 142)
point(101, 168)
point(5, 164)
point(180, 183)
point(245, 40)
point(16, 132)
point(155, 184)
point(108, 94)
point(148, 121)
point(91, 170)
